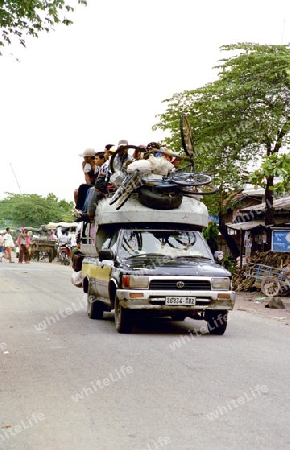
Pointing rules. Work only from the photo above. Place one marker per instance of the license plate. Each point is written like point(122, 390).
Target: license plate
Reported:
point(187, 301)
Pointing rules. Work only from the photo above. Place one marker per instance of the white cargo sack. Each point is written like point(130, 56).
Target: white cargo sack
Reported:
point(143, 165)
point(77, 279)
point(156, 165)
point(160, 166)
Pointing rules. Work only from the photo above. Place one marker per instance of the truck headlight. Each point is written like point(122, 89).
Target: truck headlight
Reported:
point(135, 282)
point(221, 283)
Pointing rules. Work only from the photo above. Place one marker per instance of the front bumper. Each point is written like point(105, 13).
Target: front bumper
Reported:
point(155, 300)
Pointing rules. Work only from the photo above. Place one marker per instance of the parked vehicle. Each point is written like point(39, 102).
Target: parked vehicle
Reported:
point(43, 248)
point(274, 280)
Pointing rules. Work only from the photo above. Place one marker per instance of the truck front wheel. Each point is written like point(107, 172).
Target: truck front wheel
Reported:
point(216, 321)
point(123, 320)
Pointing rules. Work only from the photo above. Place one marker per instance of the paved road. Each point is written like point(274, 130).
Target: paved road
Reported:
point(68, 382)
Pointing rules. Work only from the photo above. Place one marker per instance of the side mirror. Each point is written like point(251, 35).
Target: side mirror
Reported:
point(106, 254)
point(218, 256)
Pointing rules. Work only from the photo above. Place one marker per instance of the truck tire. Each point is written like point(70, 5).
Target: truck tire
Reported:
point(160, 199)
point(123, 320)
point(95, 309)
point(216, 321)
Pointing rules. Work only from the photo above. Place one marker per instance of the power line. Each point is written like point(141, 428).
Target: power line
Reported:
point(15, 178)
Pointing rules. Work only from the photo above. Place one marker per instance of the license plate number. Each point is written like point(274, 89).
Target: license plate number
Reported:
point(186, 301)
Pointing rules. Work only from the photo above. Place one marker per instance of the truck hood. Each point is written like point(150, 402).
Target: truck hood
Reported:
point(175, 267)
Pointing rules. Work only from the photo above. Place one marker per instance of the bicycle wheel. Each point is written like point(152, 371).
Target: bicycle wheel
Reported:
point(165, 182)
point(284, 289)
point(129, 186)
point(191, 179)
point(186, 139)
point(192, 191)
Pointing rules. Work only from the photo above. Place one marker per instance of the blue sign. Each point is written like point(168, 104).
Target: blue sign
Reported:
point(281, 241)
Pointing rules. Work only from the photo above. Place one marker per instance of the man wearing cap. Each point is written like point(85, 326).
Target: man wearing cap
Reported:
point(88, 163)
point(88, 167)
point(122, 157)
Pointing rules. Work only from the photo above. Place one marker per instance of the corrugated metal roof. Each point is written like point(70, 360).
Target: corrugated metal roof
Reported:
point(278, 204)
point(246, 225)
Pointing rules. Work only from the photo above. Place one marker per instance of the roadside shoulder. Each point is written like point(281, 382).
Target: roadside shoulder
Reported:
point(255, 303)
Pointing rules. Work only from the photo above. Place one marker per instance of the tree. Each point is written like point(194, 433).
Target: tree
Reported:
point(30, 17)
point(274, 165)
point(211, 235)
point(33, 210)
point(237, 119)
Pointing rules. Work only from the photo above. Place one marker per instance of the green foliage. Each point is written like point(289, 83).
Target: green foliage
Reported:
point(230, 264)
point(33, 210)
point(30, 17)
point(211, 235)
point(237, 119)
point(277, 166)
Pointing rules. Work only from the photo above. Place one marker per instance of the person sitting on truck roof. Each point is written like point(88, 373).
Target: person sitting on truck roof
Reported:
point(139, 153)
point(121, 157)
point(99, 176)
point(88, 163)
point(105, 168)
point(95, 194)
point(108, 151)
point(101, 168)
point(88, 167)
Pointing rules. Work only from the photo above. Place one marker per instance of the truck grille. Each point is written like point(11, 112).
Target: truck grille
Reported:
point(189, 285)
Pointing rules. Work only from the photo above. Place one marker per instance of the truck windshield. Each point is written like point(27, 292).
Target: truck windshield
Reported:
point(173, 244)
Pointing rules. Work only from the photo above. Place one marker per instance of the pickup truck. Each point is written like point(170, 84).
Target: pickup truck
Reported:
point(141, 261)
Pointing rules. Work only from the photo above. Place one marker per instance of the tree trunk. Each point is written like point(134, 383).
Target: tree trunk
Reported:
point(269, 211)
point(230, 241)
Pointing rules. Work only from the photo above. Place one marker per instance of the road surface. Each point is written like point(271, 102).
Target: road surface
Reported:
point(68, 382)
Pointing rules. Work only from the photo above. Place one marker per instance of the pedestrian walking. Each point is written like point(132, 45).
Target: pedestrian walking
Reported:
point(2, 247)
point(8, 244)
point(52, 236)
point(23, 242)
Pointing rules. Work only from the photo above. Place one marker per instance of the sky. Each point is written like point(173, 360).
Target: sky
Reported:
point(105, 77)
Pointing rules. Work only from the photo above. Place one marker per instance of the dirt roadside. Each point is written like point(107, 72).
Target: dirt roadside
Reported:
point(254, 303)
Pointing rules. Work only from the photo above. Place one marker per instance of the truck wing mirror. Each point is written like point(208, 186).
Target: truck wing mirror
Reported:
point(218, 256)
point(106, 254)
